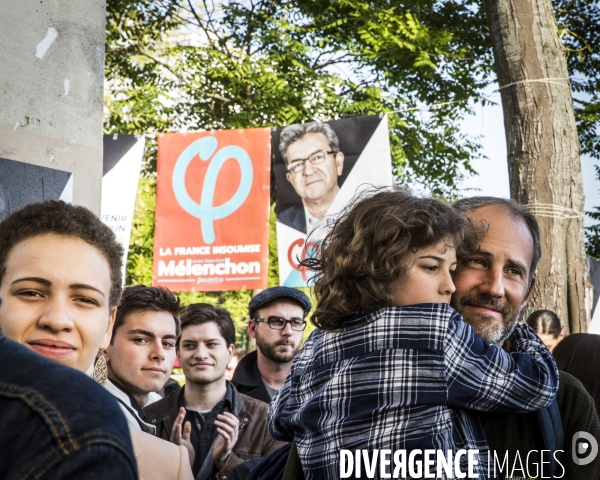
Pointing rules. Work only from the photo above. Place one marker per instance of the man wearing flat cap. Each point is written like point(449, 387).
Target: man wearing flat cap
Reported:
point(277, 321)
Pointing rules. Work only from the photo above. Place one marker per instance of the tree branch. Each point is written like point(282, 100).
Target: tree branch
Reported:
point(331, 61)
point(193, 12)
point(246, 43)
point(179, 77)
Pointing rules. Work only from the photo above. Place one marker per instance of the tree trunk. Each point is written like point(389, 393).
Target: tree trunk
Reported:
point(543, 148)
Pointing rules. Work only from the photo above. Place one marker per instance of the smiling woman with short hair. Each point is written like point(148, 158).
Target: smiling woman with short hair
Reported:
point(60, 280)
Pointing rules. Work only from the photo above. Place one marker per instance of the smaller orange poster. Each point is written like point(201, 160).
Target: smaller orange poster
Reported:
point(212, 210)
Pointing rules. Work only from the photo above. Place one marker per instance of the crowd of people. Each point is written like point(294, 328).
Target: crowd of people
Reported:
point(418, 347)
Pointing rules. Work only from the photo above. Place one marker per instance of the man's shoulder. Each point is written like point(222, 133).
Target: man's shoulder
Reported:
point(577, 411)
point(254, 439)
point(573, 399)
point(291, 212)
point(164, 406)
point(254, 406)
point(247, 378)
point(246, 371)
point(569, 384)
point(253, 415)
point(571, 394)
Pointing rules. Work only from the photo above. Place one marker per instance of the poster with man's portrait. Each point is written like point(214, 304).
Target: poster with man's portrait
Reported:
point(319, 167)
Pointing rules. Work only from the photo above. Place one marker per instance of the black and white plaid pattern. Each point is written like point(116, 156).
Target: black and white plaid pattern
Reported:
point(404, 378)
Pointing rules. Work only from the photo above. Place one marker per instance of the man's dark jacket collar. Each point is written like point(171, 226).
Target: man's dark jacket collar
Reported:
point(167, 409)
point(247, 379)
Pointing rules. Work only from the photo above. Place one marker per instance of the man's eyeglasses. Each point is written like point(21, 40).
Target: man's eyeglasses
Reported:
point(297, 166)
point(279, 323)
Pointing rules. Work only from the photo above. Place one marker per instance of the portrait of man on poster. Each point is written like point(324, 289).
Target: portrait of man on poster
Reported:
point(313, 162)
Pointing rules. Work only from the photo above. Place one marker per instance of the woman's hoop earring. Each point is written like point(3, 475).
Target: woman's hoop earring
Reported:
point(100, 369)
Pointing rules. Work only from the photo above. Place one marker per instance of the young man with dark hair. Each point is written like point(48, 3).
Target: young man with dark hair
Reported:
point(141, 353)
point(219, 425)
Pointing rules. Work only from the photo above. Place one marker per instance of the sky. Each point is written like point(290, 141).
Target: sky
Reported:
point(492, 180)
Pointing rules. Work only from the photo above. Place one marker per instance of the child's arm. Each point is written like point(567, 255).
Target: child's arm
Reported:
point(484, 377)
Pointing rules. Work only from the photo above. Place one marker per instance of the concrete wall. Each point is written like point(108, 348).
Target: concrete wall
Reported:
point(51, 88)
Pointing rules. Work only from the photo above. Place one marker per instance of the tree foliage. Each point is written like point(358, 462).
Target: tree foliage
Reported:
point(177, 65)
point(578, 23)
point(180, 65)
point(183, 64)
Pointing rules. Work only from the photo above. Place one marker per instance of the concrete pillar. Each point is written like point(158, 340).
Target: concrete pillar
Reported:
point(51, 88)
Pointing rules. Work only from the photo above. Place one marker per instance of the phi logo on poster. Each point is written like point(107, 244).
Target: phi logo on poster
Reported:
point(205, 210)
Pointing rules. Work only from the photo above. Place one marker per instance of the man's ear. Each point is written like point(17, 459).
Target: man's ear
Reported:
point(252, 328)
point(231, 352)
point(529, 290)
point(288, 175)
point(109, 328)
point(339, 162)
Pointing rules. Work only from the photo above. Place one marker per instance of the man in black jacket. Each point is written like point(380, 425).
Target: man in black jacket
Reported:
point(276, 322)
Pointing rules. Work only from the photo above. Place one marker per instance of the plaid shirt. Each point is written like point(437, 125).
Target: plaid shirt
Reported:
point(400, 378)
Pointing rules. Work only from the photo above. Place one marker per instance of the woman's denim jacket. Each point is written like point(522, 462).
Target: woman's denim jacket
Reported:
point(57, 423)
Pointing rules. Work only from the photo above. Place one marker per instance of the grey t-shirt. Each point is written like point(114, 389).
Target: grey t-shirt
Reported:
point(271, 391)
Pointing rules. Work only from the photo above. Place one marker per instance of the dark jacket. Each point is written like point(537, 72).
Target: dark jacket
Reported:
point(521, 432)
point(294, 217)
point(253, 438)
point(579, 355)
point(57, 423)
point(247, 379)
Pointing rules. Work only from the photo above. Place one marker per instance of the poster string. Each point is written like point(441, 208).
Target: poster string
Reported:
point(554, 81)
point(552, 211)
point(537, 80)
point(425, 107)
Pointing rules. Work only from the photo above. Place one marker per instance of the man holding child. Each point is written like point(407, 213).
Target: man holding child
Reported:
point(393, 366)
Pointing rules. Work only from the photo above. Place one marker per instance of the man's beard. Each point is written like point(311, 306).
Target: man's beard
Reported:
point(270, 350)
point(485, 325)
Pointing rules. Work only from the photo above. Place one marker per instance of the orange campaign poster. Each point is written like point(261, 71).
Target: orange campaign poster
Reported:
point(212, 210)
